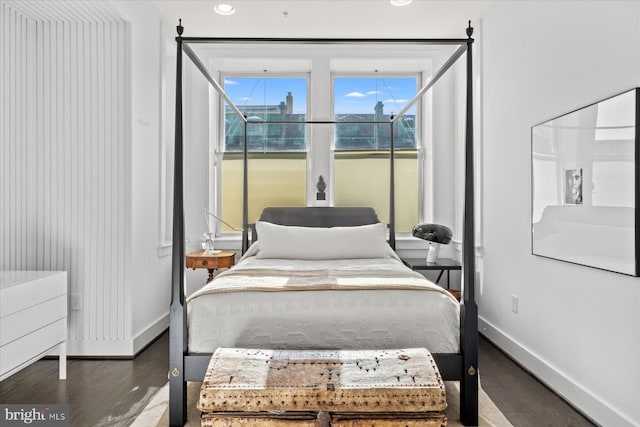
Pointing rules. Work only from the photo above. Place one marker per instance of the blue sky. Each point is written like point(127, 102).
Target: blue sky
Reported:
point(352, 95)
point(360, 95)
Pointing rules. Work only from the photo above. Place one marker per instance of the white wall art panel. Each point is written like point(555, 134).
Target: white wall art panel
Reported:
point(64, 143)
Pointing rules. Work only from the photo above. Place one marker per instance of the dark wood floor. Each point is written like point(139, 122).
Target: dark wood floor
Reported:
point(523, 399)
point(100, 393)
point(111, 392)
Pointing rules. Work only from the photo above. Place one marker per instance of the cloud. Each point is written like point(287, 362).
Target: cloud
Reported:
point(373, 92)
point(396, 101)
point(356, 95)
point(230, 82)
point(244, 98)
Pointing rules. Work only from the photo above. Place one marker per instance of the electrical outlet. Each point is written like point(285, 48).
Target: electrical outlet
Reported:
point(514, 303)
point(76, 303)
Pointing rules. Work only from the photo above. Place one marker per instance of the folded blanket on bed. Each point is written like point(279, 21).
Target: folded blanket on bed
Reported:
point(272, 275)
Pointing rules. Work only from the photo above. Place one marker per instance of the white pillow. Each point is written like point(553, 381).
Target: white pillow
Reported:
point(291, 242)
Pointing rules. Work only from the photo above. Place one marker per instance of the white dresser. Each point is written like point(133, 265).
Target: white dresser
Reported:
point(33, 319)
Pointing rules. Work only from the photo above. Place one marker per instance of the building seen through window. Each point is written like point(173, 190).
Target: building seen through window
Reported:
point(366, 105)
point(373, 131)
point(263, 133)
point(264, 102)
point(367, 123)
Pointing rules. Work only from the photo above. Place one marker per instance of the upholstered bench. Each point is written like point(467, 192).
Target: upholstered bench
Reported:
point(244, 387)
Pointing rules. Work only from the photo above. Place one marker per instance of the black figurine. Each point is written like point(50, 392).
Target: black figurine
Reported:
point(321, 186)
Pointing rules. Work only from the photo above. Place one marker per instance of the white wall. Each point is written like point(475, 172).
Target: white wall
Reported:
point(577, 327)
point(148, 273)
point(197, 185)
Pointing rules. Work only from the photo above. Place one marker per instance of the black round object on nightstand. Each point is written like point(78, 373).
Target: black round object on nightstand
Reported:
point(433, 233)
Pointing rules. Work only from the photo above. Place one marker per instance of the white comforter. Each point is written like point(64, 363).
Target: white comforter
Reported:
point(328, 304)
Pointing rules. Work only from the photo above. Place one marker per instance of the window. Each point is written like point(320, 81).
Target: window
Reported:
point(361, 146)
point(359, 101)
point(264, 102)
point(352, 156)
point(277, 151)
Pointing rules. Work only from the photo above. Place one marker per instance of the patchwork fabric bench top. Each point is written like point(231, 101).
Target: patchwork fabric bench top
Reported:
point(247, 387)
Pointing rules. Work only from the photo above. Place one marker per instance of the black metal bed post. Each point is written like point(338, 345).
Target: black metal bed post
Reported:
point(245, 190)
point(392, 191)
point(178, 315)
point(468, 307)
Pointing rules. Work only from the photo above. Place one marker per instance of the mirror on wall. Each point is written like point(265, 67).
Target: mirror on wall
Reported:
point(584, 194)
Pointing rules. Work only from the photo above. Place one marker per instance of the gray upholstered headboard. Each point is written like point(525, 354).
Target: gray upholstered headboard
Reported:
point(317, 217)
point(320, 216)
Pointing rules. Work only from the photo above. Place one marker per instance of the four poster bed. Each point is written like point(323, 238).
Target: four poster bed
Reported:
point(349, 291)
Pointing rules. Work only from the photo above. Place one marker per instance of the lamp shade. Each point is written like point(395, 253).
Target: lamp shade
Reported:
point(433, 233)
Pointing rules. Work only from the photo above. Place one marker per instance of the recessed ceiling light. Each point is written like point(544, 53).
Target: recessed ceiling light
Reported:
point(224, 9)
point(400, 2)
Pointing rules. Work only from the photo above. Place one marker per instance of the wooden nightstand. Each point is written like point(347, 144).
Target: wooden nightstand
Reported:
point(224, 259)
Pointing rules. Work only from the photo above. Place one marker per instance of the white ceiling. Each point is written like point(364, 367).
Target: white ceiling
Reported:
point(324, 18)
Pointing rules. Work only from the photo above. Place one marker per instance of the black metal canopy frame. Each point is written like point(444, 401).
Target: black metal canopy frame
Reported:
point(462, 366)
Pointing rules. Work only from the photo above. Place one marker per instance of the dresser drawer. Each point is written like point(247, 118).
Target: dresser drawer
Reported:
point(210, 262)
point(23, 351)
point(23, 322)
point(32, 292)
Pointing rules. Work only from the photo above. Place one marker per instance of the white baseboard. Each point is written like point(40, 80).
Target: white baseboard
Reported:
point(150, 333)
point(118, 348)
point(599, 412)
point(100, 348)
